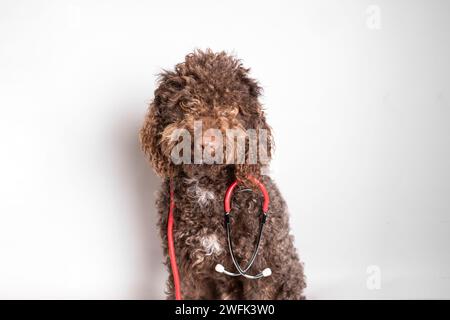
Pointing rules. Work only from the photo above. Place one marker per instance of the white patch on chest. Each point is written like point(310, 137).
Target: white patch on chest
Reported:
point(201, 195)
point(211, 245)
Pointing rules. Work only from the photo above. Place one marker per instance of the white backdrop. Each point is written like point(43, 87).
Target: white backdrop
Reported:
point(357, 93)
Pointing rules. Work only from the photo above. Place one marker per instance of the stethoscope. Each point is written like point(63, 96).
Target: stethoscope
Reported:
point(219, 268)
point(265, 209)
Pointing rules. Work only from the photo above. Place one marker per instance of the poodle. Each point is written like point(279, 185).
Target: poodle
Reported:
point(216, 90)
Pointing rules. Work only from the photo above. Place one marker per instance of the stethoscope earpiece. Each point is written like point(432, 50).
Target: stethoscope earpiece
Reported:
point(267, 272)
point(227, 206)
point(220, 268)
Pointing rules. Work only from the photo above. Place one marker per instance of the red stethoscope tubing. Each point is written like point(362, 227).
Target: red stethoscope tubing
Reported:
point(171, 246)
point(262, 188)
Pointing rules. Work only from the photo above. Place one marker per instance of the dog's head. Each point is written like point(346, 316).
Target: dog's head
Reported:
point(201, 110)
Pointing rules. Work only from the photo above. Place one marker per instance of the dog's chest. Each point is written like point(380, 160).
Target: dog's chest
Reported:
point(202, 220)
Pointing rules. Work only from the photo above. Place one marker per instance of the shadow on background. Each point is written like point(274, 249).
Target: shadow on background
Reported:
point(149, 280)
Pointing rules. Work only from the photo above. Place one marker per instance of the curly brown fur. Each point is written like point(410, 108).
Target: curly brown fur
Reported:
point(217, 89)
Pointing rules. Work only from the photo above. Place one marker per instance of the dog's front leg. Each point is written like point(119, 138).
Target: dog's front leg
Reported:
point(287, 287)
point(192, 288)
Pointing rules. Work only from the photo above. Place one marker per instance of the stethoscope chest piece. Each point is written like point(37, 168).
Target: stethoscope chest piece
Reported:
point(265, 208)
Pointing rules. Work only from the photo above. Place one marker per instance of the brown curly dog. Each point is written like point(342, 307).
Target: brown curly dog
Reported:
point(216, 89)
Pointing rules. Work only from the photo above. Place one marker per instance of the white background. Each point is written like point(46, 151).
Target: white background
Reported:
point(358, 97)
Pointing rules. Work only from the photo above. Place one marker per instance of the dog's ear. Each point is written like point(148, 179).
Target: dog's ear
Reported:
point(265, 146)
point(150, 136)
